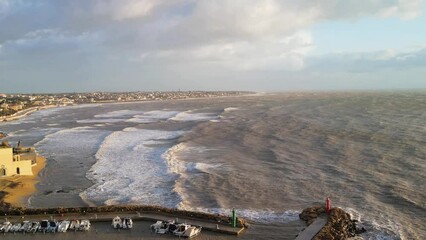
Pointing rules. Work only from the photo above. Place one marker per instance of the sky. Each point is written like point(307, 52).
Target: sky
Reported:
point(167, 45)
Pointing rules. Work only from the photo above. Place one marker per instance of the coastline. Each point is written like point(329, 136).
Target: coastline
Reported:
point(20, 114)
point(23, 113)
point(17, 189)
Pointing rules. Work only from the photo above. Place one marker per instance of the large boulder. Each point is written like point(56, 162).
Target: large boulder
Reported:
point(310, 214)
point(339, 223)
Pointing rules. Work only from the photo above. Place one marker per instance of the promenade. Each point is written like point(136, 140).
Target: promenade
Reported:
point(150, 218)
point(312, 230)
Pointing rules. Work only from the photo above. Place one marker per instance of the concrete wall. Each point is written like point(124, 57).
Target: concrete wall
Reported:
point(13, 165)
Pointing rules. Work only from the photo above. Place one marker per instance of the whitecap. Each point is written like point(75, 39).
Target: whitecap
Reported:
point(102, 120)
point(118, 113)
point(72, 142)
point(129, 170)
point(229, 109)
point(192, 116)
point(254, 215)
point(153, 116)
point(379, 228)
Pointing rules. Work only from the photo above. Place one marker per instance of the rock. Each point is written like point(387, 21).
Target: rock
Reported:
point(310, 214)
point(339, 223)
point(360, 230)
point(2, 135)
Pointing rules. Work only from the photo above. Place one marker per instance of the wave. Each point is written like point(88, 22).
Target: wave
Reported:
point(230, 109)
point(254, 215)
point(34, 132)
point(152, 116)
point(177, 166)
point(129, 170)
point(70, 142)
point(192, 116)
point(379, 228)
point(118, 113)
point(102, 120)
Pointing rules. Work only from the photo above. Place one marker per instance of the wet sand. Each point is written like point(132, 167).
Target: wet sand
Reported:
point(18, 189)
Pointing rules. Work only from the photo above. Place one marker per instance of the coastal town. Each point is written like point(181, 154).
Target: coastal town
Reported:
point(20, 173)
point(12, 105)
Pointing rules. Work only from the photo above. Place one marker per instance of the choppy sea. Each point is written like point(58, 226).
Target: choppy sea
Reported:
point(267, 155)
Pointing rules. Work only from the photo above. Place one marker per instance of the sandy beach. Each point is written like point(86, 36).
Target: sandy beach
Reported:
point(17, 189)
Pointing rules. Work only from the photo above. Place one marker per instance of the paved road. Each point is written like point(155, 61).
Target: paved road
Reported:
point(313, 229)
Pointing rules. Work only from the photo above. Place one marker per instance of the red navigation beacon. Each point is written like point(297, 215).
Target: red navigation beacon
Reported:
point(327, 206)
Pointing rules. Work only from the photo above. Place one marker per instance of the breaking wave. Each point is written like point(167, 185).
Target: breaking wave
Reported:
point(122, 157)
point(193, 116)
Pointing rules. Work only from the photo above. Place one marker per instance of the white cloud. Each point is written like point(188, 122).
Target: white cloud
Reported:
point(47, 41)
point(4, 6)
point(125, 9)
point(252, 34)
point(367, 62)
point(273, 54)
point(405, 9)
point(247, 37)
point(383, 55)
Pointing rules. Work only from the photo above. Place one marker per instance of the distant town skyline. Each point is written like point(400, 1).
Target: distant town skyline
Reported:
point(248, 45)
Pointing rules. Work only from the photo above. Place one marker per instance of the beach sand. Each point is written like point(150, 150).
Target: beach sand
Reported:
point(17, 189)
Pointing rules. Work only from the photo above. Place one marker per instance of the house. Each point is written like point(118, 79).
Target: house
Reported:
point(65, 101)
point(4, 105)
point(16, 161)
point(16, 107)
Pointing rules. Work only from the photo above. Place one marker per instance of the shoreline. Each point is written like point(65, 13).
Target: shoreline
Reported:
point(18, 189)
point(23, 113)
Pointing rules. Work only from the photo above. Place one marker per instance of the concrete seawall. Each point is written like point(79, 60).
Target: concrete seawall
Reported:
point(212, 222)
point(218, 227)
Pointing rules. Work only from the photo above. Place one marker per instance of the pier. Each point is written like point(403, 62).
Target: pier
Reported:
point(313, 229)
point(147, 217)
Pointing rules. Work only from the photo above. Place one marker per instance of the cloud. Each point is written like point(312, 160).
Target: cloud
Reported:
point(45, 42)
point(367, 62)
point(405, 9)
point(232, 36)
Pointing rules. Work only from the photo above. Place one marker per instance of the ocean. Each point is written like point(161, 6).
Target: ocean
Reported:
point(266, 155)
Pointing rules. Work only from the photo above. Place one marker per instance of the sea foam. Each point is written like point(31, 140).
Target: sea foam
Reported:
point(152, 116)
point(102, 120)
point(379, 228)
point(70, 142)
point(130, 170)
point(254, 215)
point(118, 114)
point(194, 116)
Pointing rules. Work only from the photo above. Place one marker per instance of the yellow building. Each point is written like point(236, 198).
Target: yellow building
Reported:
point(14, 163)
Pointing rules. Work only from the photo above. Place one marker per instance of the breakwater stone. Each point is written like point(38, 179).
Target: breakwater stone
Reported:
point(2, 135)
point(339, 223)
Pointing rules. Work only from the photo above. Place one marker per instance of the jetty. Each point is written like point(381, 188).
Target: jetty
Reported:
point(313, 229)
point(142, 216)
point(136, 216)
point(328, 223)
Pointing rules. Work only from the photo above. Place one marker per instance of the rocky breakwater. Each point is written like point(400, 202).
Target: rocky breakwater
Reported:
point(339, 223)
point(2, 135)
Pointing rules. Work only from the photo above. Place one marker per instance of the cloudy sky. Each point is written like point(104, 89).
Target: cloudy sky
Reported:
point(260, 45)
